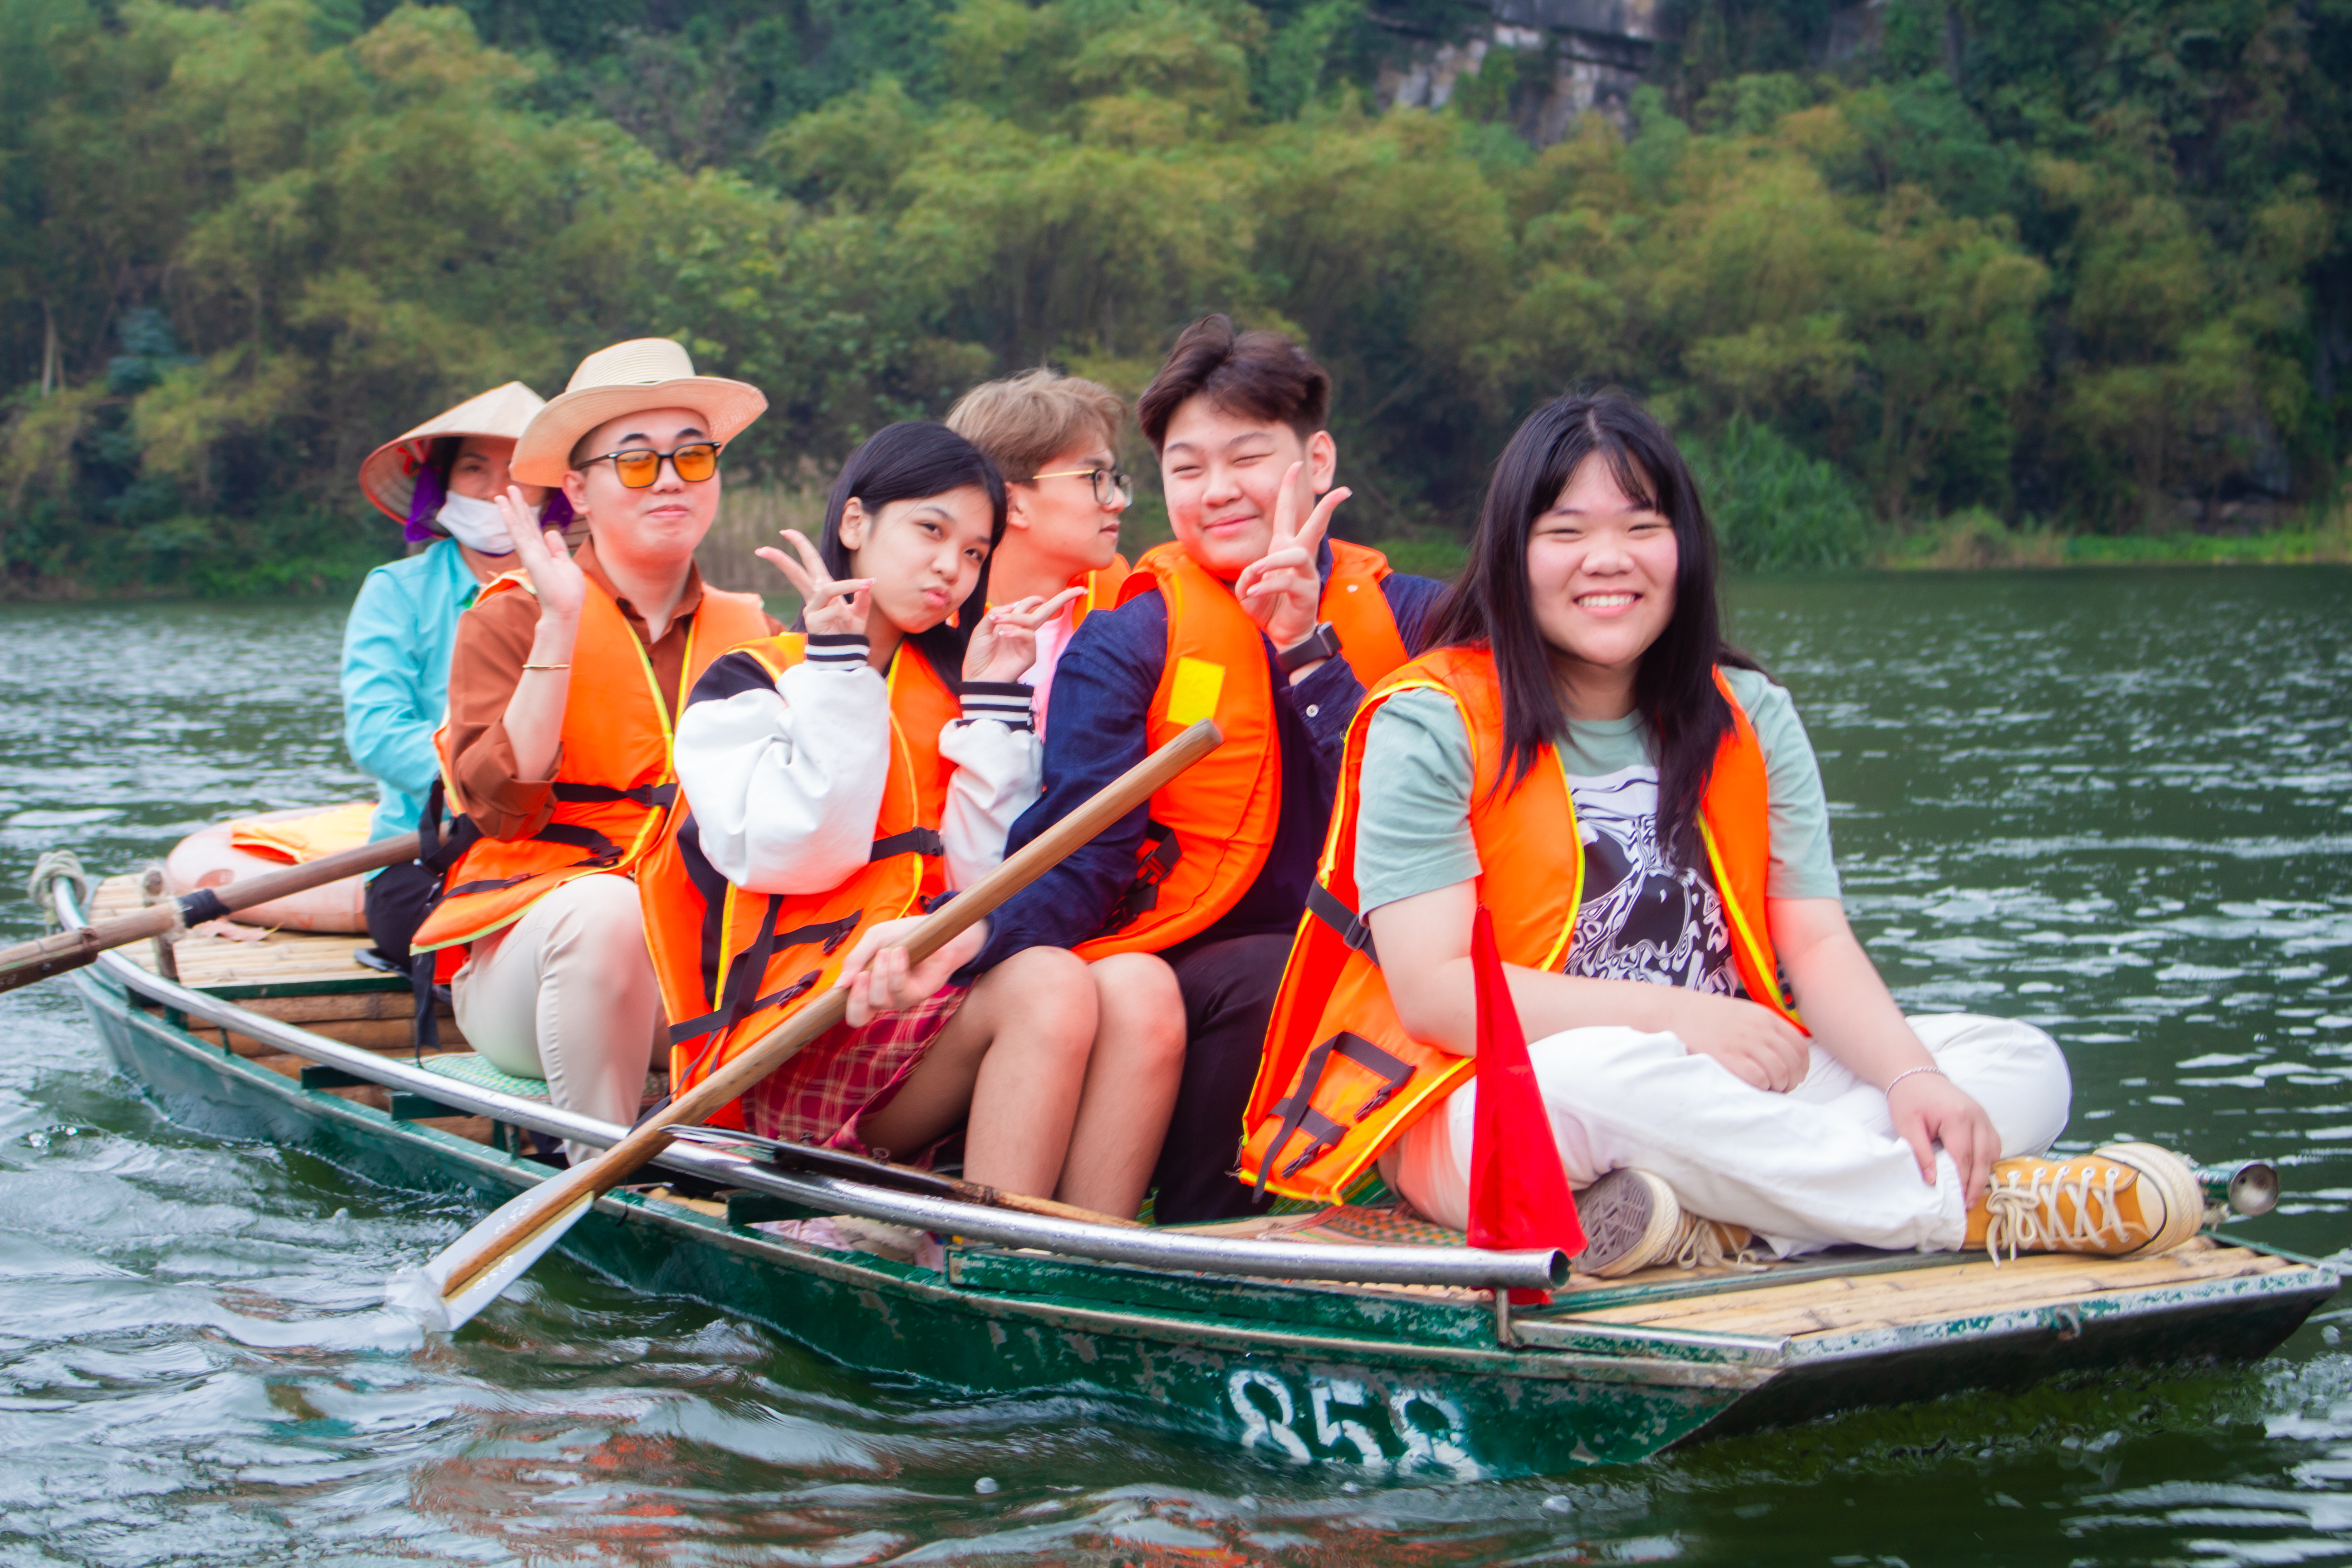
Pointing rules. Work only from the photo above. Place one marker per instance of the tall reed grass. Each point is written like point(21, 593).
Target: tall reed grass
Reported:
point(748, 516)
point(1775, 508)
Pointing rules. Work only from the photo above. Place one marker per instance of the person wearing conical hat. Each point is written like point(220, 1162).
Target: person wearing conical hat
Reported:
point(565, 685)
point(439, 481)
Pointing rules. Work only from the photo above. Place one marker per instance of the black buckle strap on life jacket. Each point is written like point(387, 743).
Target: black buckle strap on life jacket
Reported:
point(791, 993)
point(603, 854)
point(1325, 1134)
point(660, 794)
point(437, 853)
point(1325, 906)
point(424, 1023)
point(757, 1005)
point(1142, 894)
point(828, 935)
point(924, 841)
point(1298, 1111)
point(742, 978)
point(744, 973)
point(434, 852)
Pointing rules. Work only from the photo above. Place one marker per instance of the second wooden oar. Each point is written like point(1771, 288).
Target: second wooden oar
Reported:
point(816, 1159)
point(475, 1269)
point(37, 959)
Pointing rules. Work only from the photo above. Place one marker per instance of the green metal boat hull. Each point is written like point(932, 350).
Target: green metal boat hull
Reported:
point(1392, 1408)
point(1393, 1387)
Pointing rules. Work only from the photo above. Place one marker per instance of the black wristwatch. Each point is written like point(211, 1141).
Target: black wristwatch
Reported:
point(1324, 644)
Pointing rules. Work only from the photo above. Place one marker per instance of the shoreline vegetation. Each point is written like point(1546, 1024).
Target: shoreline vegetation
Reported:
point(1970, 542)
point(1923, 283)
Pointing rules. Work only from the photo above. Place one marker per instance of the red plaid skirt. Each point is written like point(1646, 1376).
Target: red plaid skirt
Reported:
point(818, 1096)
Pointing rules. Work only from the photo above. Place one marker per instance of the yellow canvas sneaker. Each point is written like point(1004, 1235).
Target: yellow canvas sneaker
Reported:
point(2115, 1202)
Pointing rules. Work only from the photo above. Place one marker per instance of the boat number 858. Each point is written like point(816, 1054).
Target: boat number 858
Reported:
point(1407, 1432)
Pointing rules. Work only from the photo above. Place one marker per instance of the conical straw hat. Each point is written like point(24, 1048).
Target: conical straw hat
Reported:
point(644, 372)
point(388, 478)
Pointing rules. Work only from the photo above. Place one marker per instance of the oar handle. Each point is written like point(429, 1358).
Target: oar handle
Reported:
point(1045, 1208)
point(54, 954)
point(780, 1045)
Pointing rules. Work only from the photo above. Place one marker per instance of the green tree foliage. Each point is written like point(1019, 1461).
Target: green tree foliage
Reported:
point(1774, 507)
point(2077, 258)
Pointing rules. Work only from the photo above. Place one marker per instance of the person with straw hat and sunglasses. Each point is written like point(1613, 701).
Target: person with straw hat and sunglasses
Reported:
point(565, 685)
point(440, 482)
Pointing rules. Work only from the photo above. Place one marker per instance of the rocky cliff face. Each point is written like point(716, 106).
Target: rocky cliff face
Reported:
point(1538, 64)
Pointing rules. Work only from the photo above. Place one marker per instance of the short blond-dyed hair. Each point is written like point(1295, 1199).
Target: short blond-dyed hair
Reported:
point(1025, 421)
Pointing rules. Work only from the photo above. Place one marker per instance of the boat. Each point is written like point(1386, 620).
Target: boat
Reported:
point(1355, 1337)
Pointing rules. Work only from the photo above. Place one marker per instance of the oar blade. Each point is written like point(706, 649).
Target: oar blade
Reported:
point(422, 1293)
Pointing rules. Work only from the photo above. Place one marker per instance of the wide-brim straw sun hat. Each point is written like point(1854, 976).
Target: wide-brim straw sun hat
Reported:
point(388, 477)
point(627, 378)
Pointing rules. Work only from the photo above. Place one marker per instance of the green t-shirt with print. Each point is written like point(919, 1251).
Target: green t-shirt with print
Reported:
point(1641, 918)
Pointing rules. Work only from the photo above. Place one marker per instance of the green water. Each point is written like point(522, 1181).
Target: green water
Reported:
point(2116, 804)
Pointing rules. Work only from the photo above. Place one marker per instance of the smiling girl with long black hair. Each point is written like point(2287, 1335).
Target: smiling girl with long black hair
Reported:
point(1637, 806)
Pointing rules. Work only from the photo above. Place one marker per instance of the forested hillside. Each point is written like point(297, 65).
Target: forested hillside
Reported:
point(2079, 261)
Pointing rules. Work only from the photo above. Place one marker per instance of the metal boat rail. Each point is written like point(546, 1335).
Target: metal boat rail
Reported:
point(1457, 1266)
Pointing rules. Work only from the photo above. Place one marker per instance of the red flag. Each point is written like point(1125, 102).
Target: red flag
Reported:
point(1518, 1194)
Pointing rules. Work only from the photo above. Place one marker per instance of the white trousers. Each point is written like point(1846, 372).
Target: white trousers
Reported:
point(567, 994)
point(1816, 1167)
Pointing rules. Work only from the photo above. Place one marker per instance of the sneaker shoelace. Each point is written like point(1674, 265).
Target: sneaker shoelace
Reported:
point(1703, 1246)
point(2026, 1215)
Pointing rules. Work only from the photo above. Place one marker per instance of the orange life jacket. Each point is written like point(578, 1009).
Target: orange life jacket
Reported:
point(612, 780)
point(303, 837)
point(734, 965)
point(1211, 829)
point(1333, 1029)
point(1102, 590)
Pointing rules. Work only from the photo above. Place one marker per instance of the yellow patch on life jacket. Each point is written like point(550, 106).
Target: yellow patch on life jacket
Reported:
point(1192, 695)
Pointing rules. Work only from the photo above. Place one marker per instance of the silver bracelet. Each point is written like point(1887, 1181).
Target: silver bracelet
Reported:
point(1910, 1073)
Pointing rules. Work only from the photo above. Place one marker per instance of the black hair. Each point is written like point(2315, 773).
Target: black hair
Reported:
point(441, 456)
point(1674, 686)
point(909, 461)
point(1257, 375)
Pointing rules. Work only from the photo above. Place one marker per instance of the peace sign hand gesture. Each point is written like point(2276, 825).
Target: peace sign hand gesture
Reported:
point(1282, 590)
point(828, 607)
point(560, 585)
point(1004, 645)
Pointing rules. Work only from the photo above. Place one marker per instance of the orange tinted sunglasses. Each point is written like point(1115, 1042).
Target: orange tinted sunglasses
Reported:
point(638, 466)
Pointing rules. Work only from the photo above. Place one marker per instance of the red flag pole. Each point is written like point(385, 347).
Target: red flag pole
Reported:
point(1518, 1193)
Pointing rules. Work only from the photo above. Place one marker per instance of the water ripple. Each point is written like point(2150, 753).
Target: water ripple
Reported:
point(2119, 806)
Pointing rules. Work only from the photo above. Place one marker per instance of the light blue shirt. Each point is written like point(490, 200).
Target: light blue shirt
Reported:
point(397, 676)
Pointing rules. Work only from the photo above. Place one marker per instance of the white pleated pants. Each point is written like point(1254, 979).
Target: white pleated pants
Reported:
point(1813, 1168)
point(567, 994)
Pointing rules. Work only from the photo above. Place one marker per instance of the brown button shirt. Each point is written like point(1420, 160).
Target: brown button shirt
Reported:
point(494, 641)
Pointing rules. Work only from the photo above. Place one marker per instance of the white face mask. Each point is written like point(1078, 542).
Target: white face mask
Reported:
point(477, 524)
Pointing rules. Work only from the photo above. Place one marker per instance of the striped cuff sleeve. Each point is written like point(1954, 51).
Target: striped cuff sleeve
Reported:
point(838, 650)
point(1002, 699)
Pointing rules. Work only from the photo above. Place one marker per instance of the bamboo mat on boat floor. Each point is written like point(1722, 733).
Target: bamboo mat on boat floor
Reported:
point(376, 1018)
point(207, 962)
point(1755, 1305)
point(1960, 1290)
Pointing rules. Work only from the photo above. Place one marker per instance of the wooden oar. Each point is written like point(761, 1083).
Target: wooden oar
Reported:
point(811, 1158)
point(475, 1269)
point(30, 961)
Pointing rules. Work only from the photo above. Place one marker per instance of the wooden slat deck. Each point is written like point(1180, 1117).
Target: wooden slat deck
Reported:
point(1830, 1294)
point(298, 978)
point(283, 959)
point(1957, 1289)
